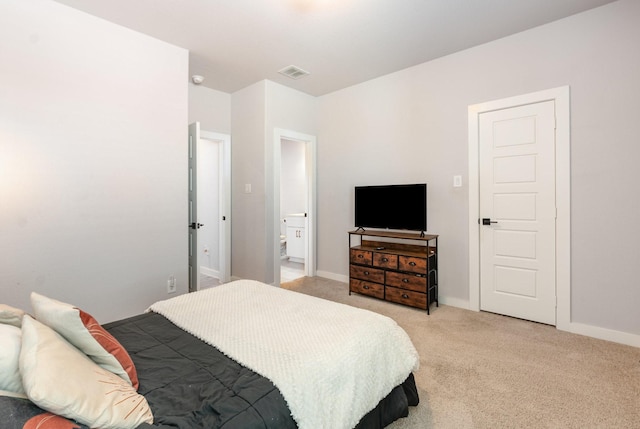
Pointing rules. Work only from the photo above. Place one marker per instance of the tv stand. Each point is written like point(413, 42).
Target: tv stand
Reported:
point(400, 267)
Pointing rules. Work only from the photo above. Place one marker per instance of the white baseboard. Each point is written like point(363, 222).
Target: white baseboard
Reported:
point(209, 272)
point(453, 302)
point(575, 328)
point(604, 334)
point(333, 276)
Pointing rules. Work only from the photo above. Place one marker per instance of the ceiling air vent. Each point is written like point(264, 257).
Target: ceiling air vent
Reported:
point(293, 72)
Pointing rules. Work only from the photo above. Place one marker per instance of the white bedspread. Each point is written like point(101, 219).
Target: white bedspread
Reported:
point(332, 363)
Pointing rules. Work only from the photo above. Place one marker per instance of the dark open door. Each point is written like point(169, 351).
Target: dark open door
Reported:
point(194, 272)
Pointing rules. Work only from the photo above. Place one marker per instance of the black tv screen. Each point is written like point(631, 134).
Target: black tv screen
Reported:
point(391, 207)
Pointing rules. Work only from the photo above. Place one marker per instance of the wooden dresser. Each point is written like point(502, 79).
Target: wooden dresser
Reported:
point(395, 266)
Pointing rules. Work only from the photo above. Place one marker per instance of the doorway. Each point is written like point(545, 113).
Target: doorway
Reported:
point(294, 205)
point(519, 206)
point(293, 209)
point(209, 208)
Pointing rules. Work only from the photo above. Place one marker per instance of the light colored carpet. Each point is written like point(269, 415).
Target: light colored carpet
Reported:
point(482, 370)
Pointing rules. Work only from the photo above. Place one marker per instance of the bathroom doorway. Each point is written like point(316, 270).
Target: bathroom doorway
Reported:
point(294, 205)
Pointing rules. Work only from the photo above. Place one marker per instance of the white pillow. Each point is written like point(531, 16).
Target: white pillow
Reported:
point(10, 343)
point(12, 394)
point(86, 334)
point(10, 315)
point(62, 380)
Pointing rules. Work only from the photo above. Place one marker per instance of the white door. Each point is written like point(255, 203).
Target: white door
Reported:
point(518, 212)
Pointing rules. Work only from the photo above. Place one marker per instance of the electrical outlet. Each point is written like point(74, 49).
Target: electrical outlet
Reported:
point(171, 284)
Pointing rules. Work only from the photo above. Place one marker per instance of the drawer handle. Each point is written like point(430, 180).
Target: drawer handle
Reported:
point(366, 273)
point(360, 256)
point(385, 260)
point(405, 280)
point(365, 287)
point(405, 296)
point(413, 264)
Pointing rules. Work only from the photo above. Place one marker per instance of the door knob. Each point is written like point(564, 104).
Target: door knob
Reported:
point(487, 221)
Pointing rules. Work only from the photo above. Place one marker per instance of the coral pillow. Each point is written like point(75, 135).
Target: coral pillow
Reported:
point(10, 315)
point(10, 343)
point(62, 380)
point(86, 334)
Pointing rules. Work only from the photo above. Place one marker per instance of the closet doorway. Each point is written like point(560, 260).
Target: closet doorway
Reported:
point(209, 208)
point(294, 206)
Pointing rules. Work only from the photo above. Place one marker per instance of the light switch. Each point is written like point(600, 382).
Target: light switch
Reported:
point(457, 181)
point(247, 188)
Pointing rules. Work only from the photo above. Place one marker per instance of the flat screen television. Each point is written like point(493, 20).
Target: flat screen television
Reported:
point(402, 207)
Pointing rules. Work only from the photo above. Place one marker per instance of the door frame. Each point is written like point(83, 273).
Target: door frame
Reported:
point(310, 220)
point(561, 98)
point(224, 232)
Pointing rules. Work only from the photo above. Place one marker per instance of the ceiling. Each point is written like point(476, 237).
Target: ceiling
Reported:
point(235, 43)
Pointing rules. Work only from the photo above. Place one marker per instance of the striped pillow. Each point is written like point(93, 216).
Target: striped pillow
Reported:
point(62, 380)
point(86, 334)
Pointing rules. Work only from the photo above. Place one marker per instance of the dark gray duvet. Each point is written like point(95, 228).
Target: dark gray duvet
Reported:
point(189, 384)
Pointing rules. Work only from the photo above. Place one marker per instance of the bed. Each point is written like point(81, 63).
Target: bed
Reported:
point(248, 355)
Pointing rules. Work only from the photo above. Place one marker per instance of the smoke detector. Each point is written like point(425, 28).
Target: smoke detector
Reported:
point(197, 79)
point(293, 72)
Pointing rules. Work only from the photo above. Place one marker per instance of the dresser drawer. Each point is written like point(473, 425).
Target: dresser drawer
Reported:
point(363, 257)
point(406, 297)
point(385, 260)
point(366, 288)
point(366, 273)
point(412, 264)
point(413, 282)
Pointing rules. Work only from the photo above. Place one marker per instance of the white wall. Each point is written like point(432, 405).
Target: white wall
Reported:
point(293, 178)
point(92, 161)
point(211, 108)
point(248, 234)
point(256, 111)
point(411, 126)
